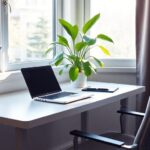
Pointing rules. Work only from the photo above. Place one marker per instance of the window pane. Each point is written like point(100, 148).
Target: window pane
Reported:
point(30, 29)
point(118, 21)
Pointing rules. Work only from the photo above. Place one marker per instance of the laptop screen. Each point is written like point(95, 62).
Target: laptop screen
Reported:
point(40, 80)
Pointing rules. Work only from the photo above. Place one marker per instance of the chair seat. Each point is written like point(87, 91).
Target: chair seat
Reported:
point(92, 145)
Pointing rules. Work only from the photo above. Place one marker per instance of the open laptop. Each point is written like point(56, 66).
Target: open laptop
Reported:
point(43, 86)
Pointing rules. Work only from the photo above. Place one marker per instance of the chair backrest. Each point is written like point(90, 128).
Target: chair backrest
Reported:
point(142, 137)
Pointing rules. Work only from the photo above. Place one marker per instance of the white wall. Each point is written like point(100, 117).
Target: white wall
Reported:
point(56, 136)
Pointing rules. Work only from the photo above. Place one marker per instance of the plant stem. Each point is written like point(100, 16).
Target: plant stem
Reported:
point(88, 48)
point(85, 50)
point(68, 60)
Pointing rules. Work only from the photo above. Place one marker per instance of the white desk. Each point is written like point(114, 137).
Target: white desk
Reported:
point(20, 111)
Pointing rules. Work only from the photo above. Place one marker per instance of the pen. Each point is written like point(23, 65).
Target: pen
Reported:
point(95, 89)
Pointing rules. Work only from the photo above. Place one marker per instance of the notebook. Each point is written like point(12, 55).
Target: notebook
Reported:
point(43, 86)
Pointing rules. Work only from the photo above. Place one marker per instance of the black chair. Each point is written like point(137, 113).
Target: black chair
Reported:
point(117, 141)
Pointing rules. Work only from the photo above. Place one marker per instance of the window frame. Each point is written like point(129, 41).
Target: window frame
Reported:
point(4, 64)
point(82, 14)
point(111, 62)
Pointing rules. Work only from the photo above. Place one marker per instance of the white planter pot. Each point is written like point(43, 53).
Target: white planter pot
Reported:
point(81, 81)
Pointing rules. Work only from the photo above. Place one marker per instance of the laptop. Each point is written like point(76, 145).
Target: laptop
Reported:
point(43, 86)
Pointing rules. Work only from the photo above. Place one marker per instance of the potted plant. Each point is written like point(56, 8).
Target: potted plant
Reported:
point(76, 50)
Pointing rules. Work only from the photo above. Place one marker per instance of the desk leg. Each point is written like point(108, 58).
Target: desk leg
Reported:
point(84, 122)
point(123, 119)
point(21, 139)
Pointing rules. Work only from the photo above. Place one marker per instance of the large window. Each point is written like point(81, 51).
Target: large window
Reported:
point(118, 21)
point(27, 29)
point(30, 29)
point(30, 25)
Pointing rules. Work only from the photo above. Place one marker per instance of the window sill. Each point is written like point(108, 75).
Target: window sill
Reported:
point(13, 80)
point(9, 79)
point(6, 75)
point(17, 73)
point(117, 70)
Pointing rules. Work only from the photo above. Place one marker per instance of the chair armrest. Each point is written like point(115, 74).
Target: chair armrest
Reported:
point(130, 147)
point(97, 138)
point(133, 113)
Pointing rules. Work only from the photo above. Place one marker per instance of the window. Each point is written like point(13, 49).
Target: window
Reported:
point(30, 29)
point(27, 30)
point(118, 21)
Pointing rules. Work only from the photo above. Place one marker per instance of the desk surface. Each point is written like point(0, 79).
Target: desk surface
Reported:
point(19, 110)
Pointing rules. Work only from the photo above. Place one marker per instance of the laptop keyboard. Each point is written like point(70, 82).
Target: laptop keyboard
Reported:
point(57, 95)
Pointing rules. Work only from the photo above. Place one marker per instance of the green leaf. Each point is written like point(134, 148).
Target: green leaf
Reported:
point(75, 60)
point(105, 51)
point(71, 30)
point(59, 59)
point(79, 46)
point(73, 73)
point(89, 41)
point(67, 26)
point(90, 23)
point(105, 37)
point(75, 31)
point(87, 68)
point(57, 43)
point(100, 63)
point(63, 40)
point(65, 67)
point(93, 67)
point(71, 57)
point(48, 50)
point(60, 72)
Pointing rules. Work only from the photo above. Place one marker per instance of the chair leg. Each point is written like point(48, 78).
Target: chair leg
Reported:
point(75, 143)
point(121, 124)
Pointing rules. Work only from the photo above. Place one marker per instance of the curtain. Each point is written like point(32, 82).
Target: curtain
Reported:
point(143, 50)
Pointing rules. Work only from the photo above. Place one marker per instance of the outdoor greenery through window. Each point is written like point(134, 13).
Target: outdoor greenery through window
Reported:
point(30, 29)
point(118, 21)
